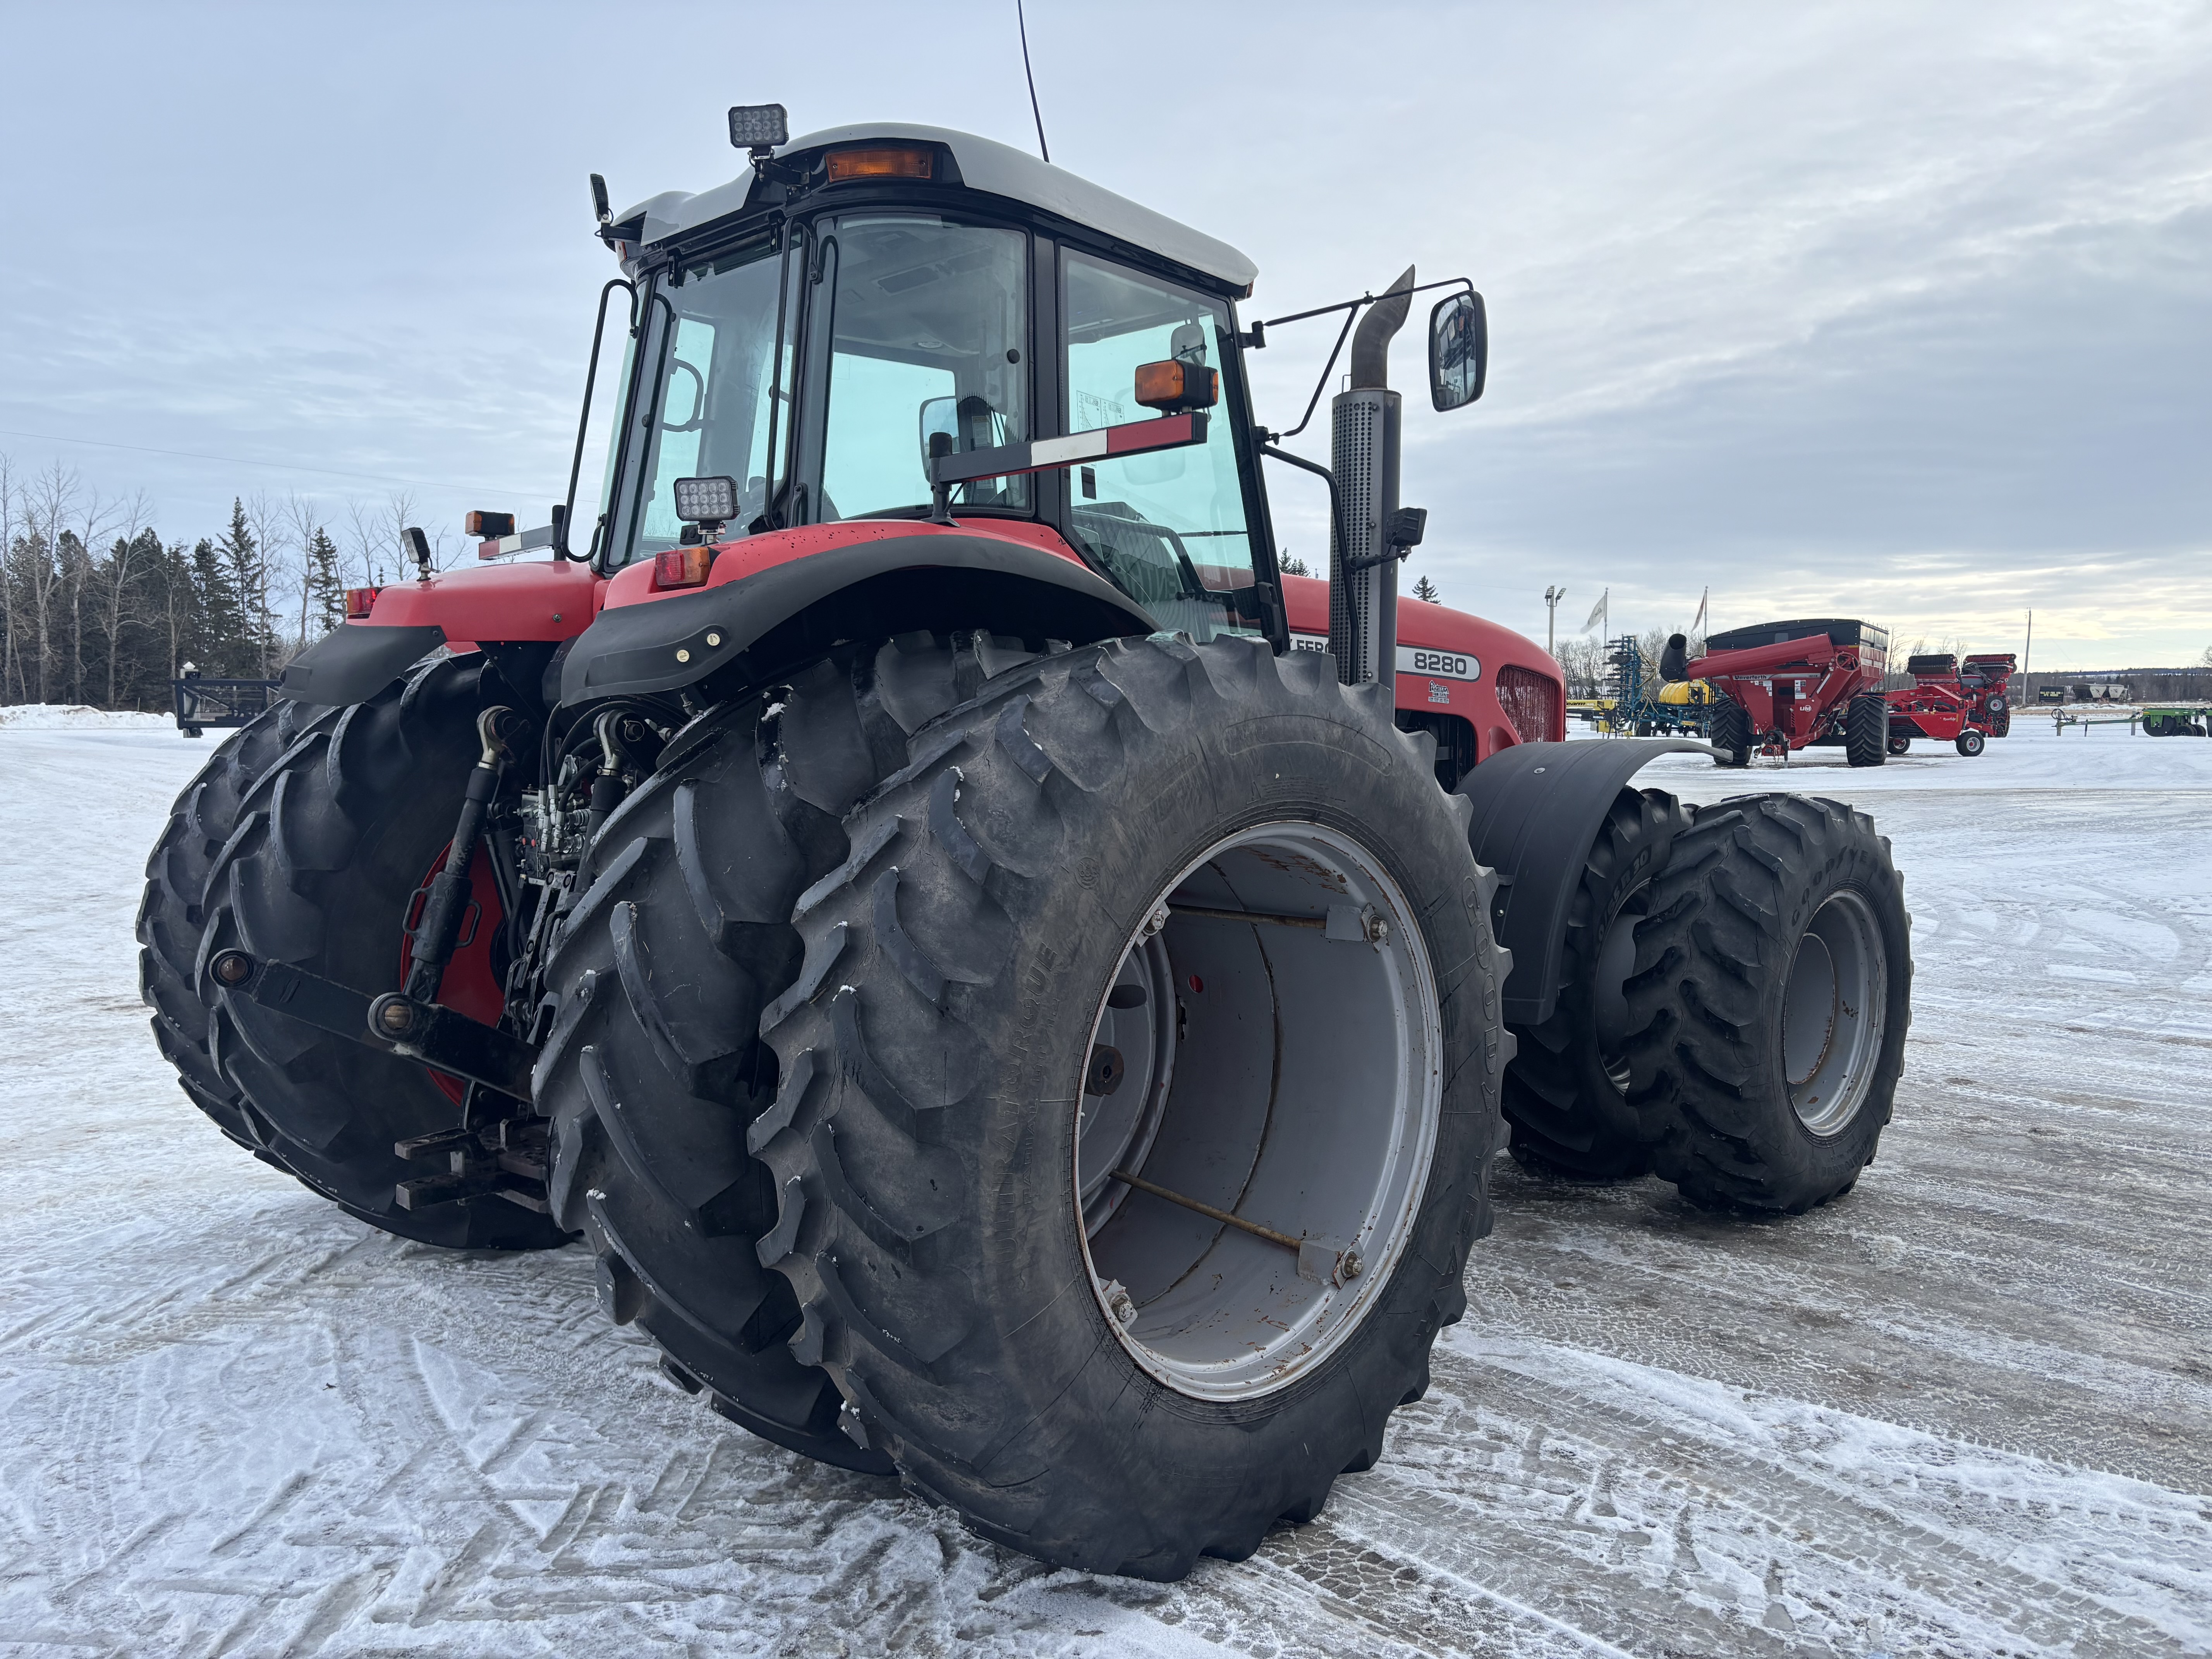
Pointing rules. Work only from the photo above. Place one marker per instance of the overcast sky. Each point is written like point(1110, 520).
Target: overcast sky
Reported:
point(1894, 310)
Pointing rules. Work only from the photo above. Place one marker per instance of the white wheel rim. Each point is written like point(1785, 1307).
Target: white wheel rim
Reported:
point(1834, 1010)
point(1316, 1061)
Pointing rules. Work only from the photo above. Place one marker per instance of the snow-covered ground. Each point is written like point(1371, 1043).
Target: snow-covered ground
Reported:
point(1965, 1410)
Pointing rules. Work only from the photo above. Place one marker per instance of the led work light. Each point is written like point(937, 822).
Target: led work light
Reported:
point(707, 501)
point(759, 126)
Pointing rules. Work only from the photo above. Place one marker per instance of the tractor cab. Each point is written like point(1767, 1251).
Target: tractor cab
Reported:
point(871, 298)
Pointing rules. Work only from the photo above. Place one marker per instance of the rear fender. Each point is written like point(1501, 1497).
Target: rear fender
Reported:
point(1537, 809)
point(749, 630)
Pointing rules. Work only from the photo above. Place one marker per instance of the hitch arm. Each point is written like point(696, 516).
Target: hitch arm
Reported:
point(396, 1022)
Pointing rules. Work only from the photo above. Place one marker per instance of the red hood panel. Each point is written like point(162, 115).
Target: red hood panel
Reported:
point(1434, 626)
point(540, 600)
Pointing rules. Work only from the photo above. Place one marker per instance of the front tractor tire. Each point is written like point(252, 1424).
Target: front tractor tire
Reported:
point(1970, 742)
point(1032, 976)
point(1769, 1002)
point(304, 840)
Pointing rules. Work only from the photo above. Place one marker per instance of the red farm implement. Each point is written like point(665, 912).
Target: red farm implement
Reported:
point(1964, 703)
point(1784, 685)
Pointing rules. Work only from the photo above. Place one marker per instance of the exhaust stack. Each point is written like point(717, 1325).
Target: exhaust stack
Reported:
point(1364, 422)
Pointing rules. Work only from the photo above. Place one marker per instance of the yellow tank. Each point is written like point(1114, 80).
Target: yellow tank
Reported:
point(1682, 692)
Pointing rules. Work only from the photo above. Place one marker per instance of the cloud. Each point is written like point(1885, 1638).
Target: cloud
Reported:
point(1888, 309)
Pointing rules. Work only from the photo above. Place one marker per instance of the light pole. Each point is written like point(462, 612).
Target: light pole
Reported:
point(1551, 598)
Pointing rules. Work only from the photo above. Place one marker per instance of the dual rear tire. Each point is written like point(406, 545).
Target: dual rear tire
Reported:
point(1020, 967)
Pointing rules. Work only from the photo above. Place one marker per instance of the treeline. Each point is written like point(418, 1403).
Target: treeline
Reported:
point(97, 607)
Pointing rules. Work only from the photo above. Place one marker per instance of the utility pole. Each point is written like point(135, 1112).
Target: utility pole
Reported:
point(1551, 598)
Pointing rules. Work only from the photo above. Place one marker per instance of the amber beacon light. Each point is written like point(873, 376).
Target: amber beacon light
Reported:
point(879, 161)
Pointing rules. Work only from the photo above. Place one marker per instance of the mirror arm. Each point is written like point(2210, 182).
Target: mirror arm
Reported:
point(1335, 499)
point(583, 421)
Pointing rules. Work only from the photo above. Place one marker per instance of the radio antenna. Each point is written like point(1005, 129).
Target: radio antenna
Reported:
point(1029, 74)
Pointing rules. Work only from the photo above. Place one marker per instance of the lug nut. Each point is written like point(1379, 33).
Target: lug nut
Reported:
point(1119, 1304)
point(1349, 1266)
point(1378, 930)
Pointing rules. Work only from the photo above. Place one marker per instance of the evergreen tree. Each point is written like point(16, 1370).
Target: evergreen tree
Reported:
point(1291, 565)
point(326, 587)
point(251, 647)
point(1425, 589)
point(212, 642)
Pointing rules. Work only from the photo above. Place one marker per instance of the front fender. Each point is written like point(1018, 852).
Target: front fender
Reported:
point(356, 660)
point(1537, 808)
point(765, 623)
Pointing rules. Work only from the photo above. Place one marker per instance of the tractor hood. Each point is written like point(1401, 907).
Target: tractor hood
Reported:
point(984, 165)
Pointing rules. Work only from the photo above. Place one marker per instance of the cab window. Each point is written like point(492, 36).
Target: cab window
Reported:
point(717, 385)
point(1168, 526)
point(926, 323)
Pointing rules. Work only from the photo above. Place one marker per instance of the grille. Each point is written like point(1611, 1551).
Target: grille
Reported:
point(1531, 701)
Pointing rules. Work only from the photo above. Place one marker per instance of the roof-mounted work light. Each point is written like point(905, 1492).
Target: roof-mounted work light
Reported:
point(759, 127)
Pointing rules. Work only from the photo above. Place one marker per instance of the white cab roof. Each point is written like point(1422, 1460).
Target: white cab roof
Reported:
point(988, 165)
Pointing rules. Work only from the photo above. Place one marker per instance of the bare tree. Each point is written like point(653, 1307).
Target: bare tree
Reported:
point(11, 662)
point(49, 500)
point(119, 578)
point(271, 521)
point(302, 522)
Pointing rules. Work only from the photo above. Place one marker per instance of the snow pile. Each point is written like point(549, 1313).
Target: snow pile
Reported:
point(1965, 1410)
point(76, 717)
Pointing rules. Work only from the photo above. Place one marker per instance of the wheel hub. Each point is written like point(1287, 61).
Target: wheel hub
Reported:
point(1277, 1102)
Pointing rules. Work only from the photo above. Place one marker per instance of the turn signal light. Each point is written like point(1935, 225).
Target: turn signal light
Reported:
point(360, 601)
point(1173, 386)
point(879, 161)
point(682, 567)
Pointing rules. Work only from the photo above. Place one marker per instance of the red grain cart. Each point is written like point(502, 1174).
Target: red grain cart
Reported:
point(1788, 684)
point(1963, 704)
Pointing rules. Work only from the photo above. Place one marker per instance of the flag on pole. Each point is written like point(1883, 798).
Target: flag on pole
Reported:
point(1700, 621)
point(1597, 611)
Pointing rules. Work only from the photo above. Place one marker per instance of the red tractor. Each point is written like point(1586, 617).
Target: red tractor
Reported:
point(1010, 990)
point(1963, 703)
point(1786, 685)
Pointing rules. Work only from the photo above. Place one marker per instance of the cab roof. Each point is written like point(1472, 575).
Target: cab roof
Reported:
point(985, 165)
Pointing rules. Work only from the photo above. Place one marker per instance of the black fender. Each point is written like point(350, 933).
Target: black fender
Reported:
point(760, 625)
point(356, 660)
point(1537, 808)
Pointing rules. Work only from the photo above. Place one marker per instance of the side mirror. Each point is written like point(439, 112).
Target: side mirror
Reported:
point(940, 419)
point(965, 424)
point(1459, 351)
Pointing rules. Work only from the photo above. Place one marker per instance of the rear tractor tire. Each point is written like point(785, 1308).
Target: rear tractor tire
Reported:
point(304, 840)
point(1731, 733)
point(653, 1067)
point(1866, 729)
point(1032, 976)
point(1566, 1091)
point(1969, 741)
point(1770, 1007)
